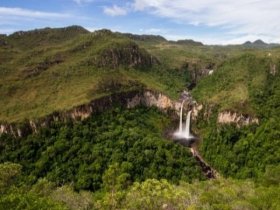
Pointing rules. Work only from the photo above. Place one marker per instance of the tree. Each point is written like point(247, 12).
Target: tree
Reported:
point(8, 173)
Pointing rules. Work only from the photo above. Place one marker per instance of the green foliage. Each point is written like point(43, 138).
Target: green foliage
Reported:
point(57, 69)
point(8, 173)
point(249, 85)
point(214, 194)
point(242, 152)
point(155, 194)
point(271, 176)
point(150, 194)
point(125, 143)
point(120, 155)
point(18, 199)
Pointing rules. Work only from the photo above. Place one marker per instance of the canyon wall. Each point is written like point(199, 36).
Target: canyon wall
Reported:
point(125, 99)
point(128, 100)
point(228, 117)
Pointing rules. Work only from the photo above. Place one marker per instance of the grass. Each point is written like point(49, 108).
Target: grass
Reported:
point(235, 82)
point(33, 84)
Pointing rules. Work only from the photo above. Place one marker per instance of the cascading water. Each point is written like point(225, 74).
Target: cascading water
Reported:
point(188, 124)
point(181, 118)
point(183, 134)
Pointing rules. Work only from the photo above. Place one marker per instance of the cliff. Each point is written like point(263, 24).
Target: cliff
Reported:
point(228, 117)
point(125, 99)
point(124, 54)
point(128, 100)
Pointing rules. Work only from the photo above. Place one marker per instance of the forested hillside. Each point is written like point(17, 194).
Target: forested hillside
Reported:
point(250, 85)
point(51, 70)
point(124, 157)
point(81, 153)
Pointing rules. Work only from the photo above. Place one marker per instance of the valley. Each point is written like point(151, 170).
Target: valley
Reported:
point(87, 121)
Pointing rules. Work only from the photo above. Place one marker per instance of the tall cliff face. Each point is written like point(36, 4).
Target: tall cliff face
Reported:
point(126, 99)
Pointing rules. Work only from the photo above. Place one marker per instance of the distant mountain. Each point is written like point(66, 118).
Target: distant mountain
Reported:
point(259, 44)
point(3, 40)
point(158, 38)
point(188, 42)
point(45, 36)
point(136, 37)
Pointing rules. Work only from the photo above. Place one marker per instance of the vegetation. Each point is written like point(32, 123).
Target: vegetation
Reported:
point(51, 70)
point(120, 159)
point(41, 72)
point(241, 83)
point(150, 194)
point(128, 142)
point(243, 152)
point(249, 85)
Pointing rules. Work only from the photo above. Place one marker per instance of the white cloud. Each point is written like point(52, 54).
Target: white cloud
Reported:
point(82, 1)
point(25, 13)
point(239, 18)
point(13, 19)
point(115, 11)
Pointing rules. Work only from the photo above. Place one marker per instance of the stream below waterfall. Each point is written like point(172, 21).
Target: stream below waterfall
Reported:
point(184, 137)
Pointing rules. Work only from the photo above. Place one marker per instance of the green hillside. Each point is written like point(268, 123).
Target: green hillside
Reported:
point(239, 83)
point(49, 70)
point(126, 158)
point(249, 85)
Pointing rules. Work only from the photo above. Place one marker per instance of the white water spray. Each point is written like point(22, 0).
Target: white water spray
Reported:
point(184, 134)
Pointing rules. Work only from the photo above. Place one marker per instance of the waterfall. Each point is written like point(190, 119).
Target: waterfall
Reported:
point(188, 124)
point(184, 133)
point(181, 118)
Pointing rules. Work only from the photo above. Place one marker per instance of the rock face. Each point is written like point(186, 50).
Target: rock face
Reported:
point(228, 117)
point(125, 55)
point(198, 69)
point(127, 100)
point(225, 117)
point(273, 69)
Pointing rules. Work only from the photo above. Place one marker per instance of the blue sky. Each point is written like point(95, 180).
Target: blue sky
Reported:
point(209, 21)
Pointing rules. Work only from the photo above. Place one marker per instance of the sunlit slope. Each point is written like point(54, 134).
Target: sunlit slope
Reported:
point(244, 83)
point(42, 72)
point(49, 70)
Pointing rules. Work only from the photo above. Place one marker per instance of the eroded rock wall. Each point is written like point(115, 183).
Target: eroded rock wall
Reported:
point(126, 99)
point(228, 117)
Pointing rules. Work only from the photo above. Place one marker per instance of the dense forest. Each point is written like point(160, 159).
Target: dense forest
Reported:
point(123, 158)
point(82, 152)
point(120, 160)
point(251, 88)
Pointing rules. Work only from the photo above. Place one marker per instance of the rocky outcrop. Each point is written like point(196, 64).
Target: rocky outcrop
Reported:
point(130, 99)
point(195, 110)
point(124, 55)
point(225, 117)
point(273, 69)
point(228, 117)
point(198, 69)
